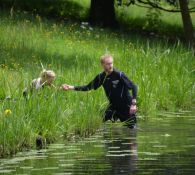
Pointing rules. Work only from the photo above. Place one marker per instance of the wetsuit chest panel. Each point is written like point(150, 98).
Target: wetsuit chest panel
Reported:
point(115, 88)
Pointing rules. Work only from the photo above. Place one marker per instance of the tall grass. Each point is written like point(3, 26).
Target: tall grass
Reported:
point(164, 74)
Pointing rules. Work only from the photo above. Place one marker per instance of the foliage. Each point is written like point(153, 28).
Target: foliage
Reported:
point(63, 9)
point(164, 74)
point(165, 5)
point(153, 20)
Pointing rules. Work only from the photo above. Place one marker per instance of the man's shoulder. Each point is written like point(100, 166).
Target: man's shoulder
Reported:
point(102, 74)
point(118, 72)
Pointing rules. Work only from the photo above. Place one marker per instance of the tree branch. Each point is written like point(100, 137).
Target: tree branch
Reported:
point(192, 9)
point(154, 5)
point(149, 7)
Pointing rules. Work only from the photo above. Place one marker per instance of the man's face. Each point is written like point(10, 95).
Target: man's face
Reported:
point(108, 64)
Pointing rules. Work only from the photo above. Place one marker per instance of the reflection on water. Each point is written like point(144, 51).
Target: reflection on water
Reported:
point(161, 146)
point(121, 150)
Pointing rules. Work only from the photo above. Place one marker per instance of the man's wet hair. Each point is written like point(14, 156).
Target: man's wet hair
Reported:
point(103, 57)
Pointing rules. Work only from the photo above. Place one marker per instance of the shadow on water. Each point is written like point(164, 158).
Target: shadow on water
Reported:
point(160, 146)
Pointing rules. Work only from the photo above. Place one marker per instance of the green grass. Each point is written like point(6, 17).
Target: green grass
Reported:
point(164, 74)
point(133, 19)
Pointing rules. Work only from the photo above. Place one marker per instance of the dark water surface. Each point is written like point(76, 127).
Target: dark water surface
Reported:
point(165, 145)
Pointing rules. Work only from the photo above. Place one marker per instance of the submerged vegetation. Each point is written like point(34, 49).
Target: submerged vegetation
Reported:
point(164, 74)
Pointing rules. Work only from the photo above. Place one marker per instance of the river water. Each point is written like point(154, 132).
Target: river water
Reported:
point(164, 145)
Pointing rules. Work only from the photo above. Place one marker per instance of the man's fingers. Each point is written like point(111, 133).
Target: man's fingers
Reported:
point(133, 109)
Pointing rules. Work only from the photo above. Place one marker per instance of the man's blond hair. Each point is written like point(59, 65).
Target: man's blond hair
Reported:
point(103, 57)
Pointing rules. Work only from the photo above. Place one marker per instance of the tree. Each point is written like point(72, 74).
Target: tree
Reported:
point(102, 12)
point(187, 23)
point(182, 8)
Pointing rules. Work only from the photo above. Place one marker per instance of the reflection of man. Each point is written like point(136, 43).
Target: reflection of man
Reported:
point(116, 86)
point(121, 150)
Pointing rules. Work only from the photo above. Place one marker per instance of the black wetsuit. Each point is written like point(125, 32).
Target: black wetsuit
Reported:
point(116, 86)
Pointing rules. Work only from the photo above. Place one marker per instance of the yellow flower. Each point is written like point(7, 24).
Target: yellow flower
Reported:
point(7, 112)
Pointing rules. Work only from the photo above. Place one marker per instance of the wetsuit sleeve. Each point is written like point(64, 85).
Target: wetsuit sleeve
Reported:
point(94, 84)
point(130, 84)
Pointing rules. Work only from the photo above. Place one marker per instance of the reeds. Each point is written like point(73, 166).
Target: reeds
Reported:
point(164, 74)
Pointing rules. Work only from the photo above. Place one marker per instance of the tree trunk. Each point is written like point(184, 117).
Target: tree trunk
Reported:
point(102, 12)
point(187, 23)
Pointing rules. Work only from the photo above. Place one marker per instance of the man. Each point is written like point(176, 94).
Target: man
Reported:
point(116, 86)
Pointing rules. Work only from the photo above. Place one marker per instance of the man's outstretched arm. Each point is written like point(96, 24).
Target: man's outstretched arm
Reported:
point(94, 84)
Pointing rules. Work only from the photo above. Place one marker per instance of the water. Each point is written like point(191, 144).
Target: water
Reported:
point(165, 145)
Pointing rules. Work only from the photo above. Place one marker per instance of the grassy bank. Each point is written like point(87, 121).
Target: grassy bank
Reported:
point(164, 74)
point(132, 19)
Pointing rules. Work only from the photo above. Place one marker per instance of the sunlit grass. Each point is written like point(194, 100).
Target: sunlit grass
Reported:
point(164, 74)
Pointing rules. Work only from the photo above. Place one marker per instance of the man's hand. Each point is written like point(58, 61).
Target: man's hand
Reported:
point(133, 109)
point(67, 87)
